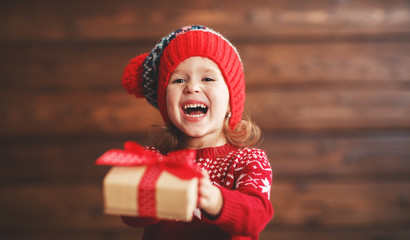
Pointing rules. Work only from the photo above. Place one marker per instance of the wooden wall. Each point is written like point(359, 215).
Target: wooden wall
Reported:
point(328, 82)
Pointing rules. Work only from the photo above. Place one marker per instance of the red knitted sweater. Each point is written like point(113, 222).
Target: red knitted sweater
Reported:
point(244, 176)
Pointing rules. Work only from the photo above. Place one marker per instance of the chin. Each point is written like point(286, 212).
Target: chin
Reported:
point(194, 134)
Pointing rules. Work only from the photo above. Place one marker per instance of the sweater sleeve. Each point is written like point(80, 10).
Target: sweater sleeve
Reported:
point(247, 209)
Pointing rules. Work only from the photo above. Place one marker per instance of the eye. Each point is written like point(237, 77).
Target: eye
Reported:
point(207, 79)
point(178, 80)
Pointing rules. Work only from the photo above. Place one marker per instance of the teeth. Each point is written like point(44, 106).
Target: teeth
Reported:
point(195, 115)
point(195, 105)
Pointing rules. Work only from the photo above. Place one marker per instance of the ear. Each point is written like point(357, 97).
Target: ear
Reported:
point(228, 111)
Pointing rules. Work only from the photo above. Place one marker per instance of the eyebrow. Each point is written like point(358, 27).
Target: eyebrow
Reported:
point(209, 70)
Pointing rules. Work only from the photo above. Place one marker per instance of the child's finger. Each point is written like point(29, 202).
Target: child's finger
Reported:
point(205, 191)
point(205, 173)
point(205, 183)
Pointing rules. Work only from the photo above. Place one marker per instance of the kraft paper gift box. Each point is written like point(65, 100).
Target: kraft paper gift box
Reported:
point(143, 183)
point(175, 198)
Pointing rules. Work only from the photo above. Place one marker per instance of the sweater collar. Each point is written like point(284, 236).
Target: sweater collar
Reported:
point(215, 152)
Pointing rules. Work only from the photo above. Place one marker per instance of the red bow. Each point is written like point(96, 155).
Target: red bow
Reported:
point(179, 163)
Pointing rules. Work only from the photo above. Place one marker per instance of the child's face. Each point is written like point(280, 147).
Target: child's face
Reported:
point(198, 99)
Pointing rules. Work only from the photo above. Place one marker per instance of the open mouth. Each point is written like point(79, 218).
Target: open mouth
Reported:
point(195, 109)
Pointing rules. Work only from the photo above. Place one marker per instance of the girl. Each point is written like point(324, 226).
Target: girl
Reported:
point(194, 76)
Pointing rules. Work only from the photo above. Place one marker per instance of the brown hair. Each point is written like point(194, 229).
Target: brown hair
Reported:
point(245, 134)
point(170, 138)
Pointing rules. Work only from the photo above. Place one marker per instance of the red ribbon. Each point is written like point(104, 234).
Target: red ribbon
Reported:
point(179, 163)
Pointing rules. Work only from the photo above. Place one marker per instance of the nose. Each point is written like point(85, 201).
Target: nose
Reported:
point(192, 87)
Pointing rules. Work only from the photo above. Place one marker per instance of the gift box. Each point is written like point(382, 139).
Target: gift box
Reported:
point(144, 183)
point(174, 198)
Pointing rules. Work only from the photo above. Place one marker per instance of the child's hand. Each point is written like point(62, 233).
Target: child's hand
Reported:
point(210, 197)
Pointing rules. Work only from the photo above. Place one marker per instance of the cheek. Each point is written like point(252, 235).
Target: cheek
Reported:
point(222, 99)
point(225, 100)
point(228, 107)
point(171, 102)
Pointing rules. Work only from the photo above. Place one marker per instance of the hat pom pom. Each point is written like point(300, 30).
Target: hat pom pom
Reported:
point(132, 77)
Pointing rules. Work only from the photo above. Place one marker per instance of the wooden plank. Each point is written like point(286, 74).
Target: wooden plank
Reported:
point(348, 158)
point(296, 233)
point(327, 205)
point(90, 67)
point(49, 20)
point(330, 110)
point(54, 160)
point(63, 67)
point(31, 207)
point(354, 65)
point(57, 160)
point(354, 204)
point(74, 114)
point(329, 158)
point(69, 234)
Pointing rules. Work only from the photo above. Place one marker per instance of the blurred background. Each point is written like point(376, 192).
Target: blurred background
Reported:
point(327, 81)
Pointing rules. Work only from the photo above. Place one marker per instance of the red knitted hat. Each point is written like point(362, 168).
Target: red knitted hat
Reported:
point(148, 74)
